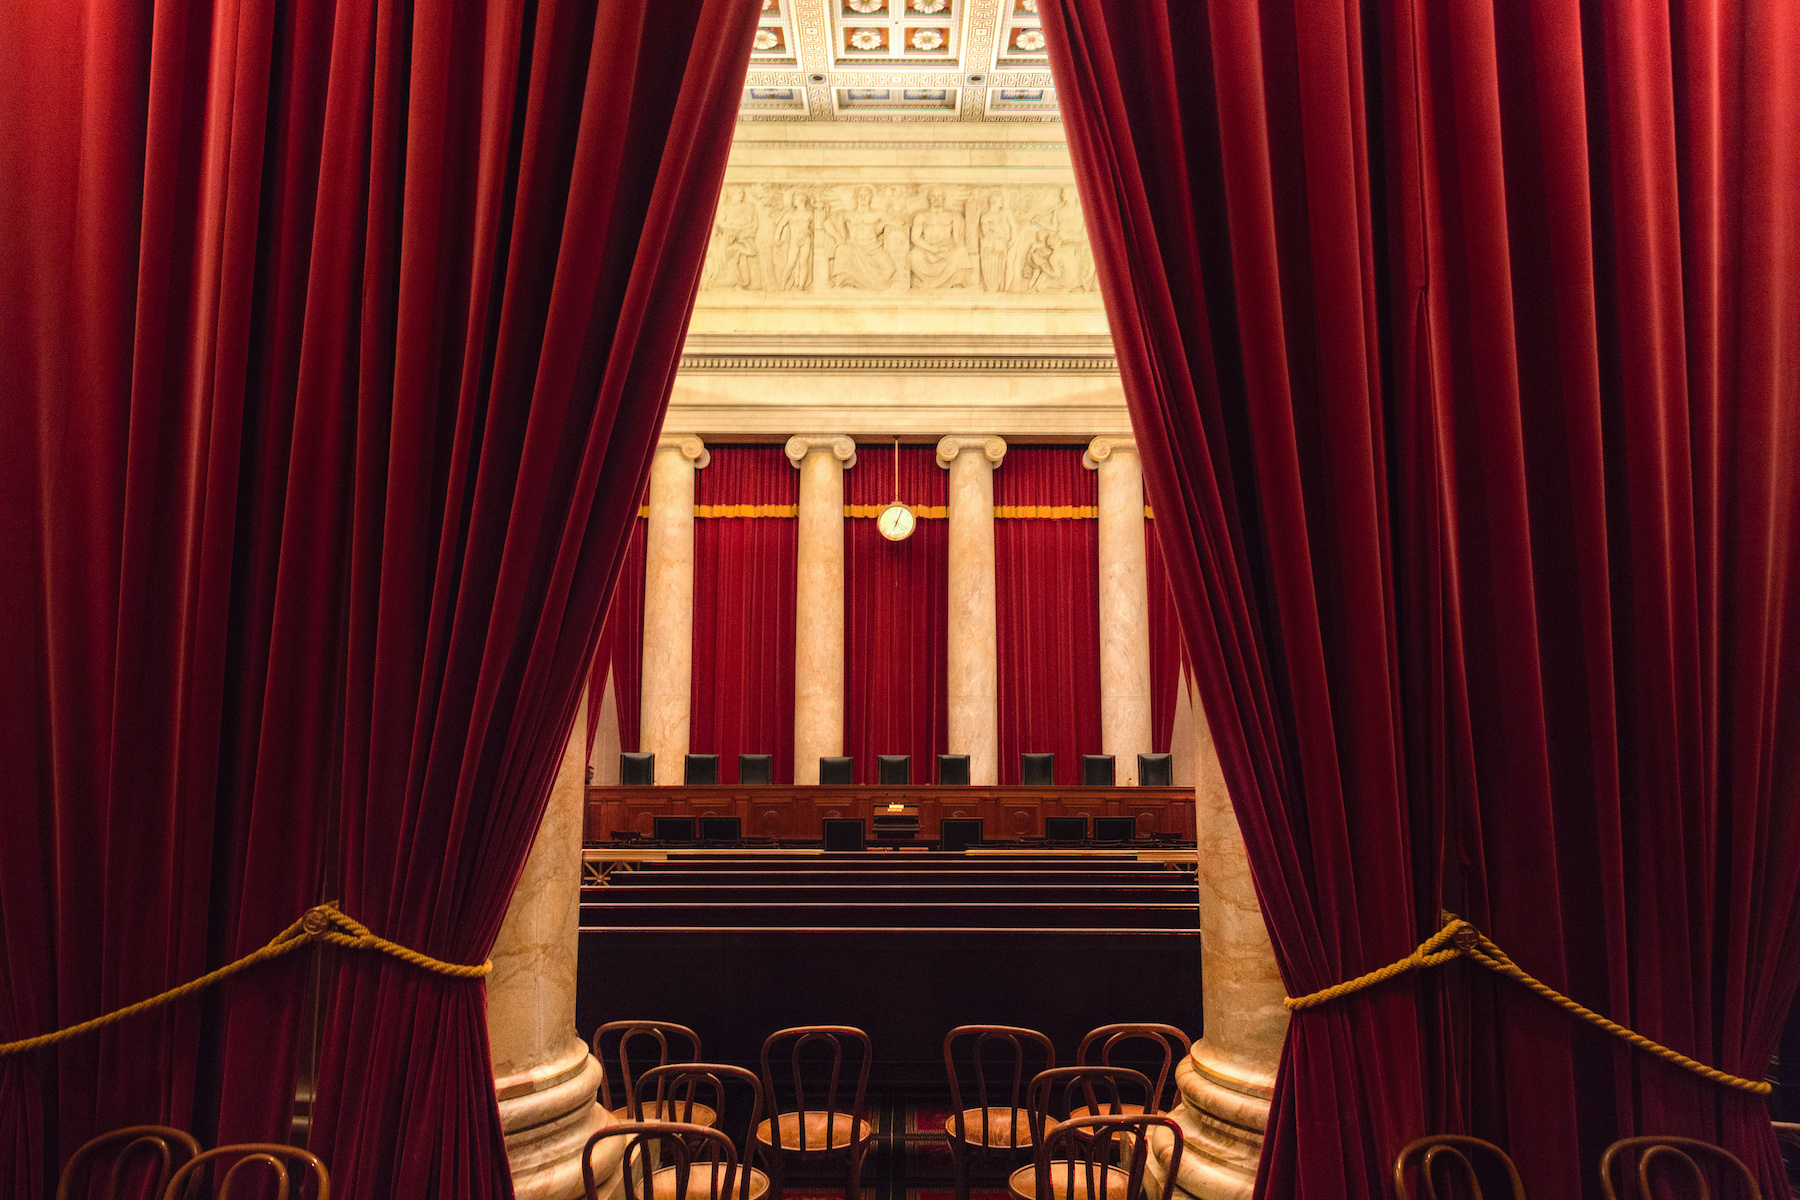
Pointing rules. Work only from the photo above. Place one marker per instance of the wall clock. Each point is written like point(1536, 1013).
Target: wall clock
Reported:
point(896, 520)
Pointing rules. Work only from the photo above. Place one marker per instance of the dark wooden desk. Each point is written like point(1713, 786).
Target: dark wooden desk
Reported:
point(798, 812)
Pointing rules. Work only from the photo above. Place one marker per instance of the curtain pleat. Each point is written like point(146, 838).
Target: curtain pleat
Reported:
point(743, 677)
point(621, 651)
point(1168, 656)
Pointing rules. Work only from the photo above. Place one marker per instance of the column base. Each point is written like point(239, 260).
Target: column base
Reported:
point(1222, 1119)
point(548, 1113)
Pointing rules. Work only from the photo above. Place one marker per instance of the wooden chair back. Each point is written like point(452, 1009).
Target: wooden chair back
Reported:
point(1464, 1152)
point(1013, 1042)
point(151, 1153)
point(1677, 1153)
point(683, 1085)
point(663, 1041)
point(1166, 1039)
point(654, 1145)
point(827, 1088)
point(1105, 1091)
point(1093, 1148)
point(284, 1161)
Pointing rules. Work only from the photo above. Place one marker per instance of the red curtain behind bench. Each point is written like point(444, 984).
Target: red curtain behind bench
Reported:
point(1460, 344)
point(1047, 593)
point(896, 614)
point(335, 337)
point(745, 533)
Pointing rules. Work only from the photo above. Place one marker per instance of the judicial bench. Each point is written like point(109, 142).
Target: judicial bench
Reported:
point(783, 812)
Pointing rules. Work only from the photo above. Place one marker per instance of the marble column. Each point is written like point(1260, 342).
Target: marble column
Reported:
point(1226, 1082)
point(669, 604)
point(543, 1073)
point(819, 601)
point(973, 669)
point(1124, 604)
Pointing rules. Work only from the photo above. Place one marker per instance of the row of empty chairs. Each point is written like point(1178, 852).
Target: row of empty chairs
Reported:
point(161, 1161)
point(850, 834)
point(1649, 1167)
point(678, 1144)
point(895, 770)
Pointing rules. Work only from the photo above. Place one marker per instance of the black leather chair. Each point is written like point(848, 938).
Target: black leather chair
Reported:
point(1037, 770)
point(836, 771)
point(1115, 829)
point(1098, 770)
point(700, 770)
point(1065, 829)
point(953, 770)
point(756, 768)
point(959, 833)
point(1156, 770)
point(637, 770)
point(895, 769)
point(674, 829)
point(845, 833)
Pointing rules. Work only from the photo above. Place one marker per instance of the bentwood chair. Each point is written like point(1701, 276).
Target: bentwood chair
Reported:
point(990, 1128)
point(139, 1160)
point(289, 1167)
point(1105, 1042)
point(809, 1127)
point(1444, 1156)
point(1092, 1090)
point(1637, 1157)
point(678, 1089)
point(701, 1163)
point(638, 1046)
point(1099, 1158)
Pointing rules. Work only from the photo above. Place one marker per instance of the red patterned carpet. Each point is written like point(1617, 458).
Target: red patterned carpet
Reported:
point(909, 1161)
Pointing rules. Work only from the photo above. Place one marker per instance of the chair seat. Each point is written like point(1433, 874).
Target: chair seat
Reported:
point(1001, 1122)
point(673, 1110)
point(845, 1131)
point(701, 1179)
point(1106, 1110)
point(1023, 1183)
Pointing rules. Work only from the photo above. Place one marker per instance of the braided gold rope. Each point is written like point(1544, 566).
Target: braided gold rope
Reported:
point(321, 924)
point(1459, 939)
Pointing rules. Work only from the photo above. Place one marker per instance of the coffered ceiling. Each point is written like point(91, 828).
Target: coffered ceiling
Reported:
point(899, 60)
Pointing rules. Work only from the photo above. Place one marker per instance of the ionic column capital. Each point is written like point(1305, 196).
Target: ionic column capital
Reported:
point(842, 447)
point(993, 448)
point(1104, 447)
point(689, 445)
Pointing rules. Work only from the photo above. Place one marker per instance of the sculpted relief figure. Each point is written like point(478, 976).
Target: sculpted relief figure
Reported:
point(996, 230)
point(898, 202)
point(938, 257)
point(794, 244)
point(861, 259)
point(731, 259)
point(1058, 259)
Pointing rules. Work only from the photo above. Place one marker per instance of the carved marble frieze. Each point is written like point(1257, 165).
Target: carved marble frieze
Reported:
point(799, 241)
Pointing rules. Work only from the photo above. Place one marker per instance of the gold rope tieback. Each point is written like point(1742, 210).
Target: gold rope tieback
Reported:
point(1459, 939)
point(321, 924)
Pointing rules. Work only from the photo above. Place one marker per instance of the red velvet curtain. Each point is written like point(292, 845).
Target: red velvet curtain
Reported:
point(621, 650)
point(1458, 344)
point(745, 533)
point(896, 619)
point(1167, 654)
point(337, 336)
point(1047, 597)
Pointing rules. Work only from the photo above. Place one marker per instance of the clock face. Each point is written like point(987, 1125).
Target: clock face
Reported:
point(895, 522)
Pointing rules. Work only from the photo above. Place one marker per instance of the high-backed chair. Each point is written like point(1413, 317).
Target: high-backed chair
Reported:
point(756, 769)
point(221, 1167)
point(990, 1127)
point(637, 1047)
point(837, 771)
point(1167, 1045)
point(1634, 1159)
point(809, 1127)
point(700, 770)
point(701, 1164)
point(1156, 770)
point(1087, 1158)
point(687, 1090)
point(1037, 770)
point(953, 770)
point(637, 770)
point(1106, 1091)
point(1099, 770)
point(894, 770)
point(1472, 1158)
point(133, 1157)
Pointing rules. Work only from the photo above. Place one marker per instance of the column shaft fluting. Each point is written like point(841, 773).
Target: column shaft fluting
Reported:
point(543, 1074)
point(973, 672)
point(1124, 605)
point(819, 601)
point(665, 707)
